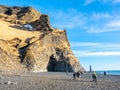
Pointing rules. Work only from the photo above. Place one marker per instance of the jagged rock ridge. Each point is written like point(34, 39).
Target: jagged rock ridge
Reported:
point(44, 49)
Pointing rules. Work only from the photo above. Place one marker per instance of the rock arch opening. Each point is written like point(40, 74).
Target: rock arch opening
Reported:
point(52, 64)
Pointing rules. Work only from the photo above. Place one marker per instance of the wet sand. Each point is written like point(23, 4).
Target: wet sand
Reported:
point(58, 81)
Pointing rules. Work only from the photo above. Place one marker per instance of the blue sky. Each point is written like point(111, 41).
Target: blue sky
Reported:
point(93, 28)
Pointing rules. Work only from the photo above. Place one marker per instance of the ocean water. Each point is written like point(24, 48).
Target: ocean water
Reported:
point(109, 72)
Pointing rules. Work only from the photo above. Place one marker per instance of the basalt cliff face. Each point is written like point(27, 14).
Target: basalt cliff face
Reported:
point(41, 49)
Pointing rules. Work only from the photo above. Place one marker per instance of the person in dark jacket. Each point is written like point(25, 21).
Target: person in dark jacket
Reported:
point(74, 75)
point(78, 74)
point(105, 74)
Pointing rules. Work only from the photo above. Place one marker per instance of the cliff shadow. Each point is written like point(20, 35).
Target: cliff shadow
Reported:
point(58, 65)
point(51, 64)
point(22, 50)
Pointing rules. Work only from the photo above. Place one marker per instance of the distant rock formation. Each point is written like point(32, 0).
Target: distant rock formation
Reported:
point(48, 50)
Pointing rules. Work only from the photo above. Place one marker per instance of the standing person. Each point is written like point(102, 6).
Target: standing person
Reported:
point(78, 75)
point(94, 76)
point(74, 75)
point(104, 73)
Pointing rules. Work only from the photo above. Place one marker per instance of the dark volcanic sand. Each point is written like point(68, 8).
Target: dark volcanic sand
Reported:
point(58, 81)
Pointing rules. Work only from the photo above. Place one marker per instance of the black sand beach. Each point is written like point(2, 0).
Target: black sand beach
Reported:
point(58, 81)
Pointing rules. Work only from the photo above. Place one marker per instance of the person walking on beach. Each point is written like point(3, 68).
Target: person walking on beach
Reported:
point(105, 73)
point(94, 76)
point(78, 75)
point(74, 75)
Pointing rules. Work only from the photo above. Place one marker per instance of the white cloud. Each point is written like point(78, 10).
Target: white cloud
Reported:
point(87, 2)
point(103, 22)
point(97, 23)
point(86, 53)
point(101, 15)
point(96, 49)
point(113, 24)
point(98, 46)
point(72, 19)
point(106, 27)
point(75, 44)
point(100, 29)
point(69, 19)
point(111, 1)
point(116, 1)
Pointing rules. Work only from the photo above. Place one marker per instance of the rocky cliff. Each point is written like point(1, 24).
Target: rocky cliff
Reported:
point(42, 49)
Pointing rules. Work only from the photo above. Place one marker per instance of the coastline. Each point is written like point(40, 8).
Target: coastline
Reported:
point(58, 81)
point(109, 72)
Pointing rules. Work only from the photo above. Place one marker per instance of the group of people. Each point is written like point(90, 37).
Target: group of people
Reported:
point(77, 75)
